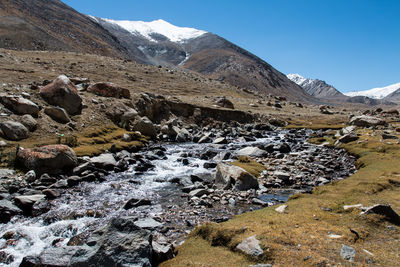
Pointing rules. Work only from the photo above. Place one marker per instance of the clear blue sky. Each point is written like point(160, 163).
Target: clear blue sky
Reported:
point(351, 44)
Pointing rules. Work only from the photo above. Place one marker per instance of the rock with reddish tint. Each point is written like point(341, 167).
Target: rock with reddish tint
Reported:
point(63, 93)
point(51, 159)
point(109, 90)
point(19, 105)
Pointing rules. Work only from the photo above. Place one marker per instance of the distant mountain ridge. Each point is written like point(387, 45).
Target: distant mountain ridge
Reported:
point(377, 93)
point(316, 87)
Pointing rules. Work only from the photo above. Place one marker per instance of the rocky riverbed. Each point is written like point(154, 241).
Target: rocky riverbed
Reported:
point(156, 196)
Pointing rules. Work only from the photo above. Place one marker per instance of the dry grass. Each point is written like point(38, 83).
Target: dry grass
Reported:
point(89, 143)
point(253, 167)
point(300, 236)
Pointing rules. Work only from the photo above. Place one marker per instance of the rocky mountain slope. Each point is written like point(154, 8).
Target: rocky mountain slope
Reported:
point(52, 25)
point(161, 43)
point(393, 97)
point(315, 87)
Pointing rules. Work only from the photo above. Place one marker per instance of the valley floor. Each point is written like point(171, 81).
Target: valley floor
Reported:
point(314, 227)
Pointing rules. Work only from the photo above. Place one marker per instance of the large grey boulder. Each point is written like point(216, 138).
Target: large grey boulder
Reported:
point(19, 105)
point(104, 161)
point(120, 243)
point(14, 131)
point(63, 93)
point(254, 152)
point(229, 176)
point(51, 159)
point(58, 114)
point(366, 121)
point(145, 127)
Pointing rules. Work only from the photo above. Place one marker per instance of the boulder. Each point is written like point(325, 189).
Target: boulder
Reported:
point(252, 152)
point(220, 141)
point(148, 223)
point(8, 210)
point(251, 247)
point(58, 114)
point(348, 138)
point(182, 135)
point(30, 176)
point(109, 90)
point(384, 210)
point(228, 176)
point(26, 202)
point(29, 122)
point(19, 105)
point(145, 127)
point(104, 161)
point(284, 176)
point(162, 250)
point(205, 138)
point(120, 243)
point(52, 159)
point(224, 102)
point(54, 257)
point(347, 253)
point(128, 117)
point(366, 121)
point(63, 93)
point(134, 202)
point(198, 192)
point(14, 131)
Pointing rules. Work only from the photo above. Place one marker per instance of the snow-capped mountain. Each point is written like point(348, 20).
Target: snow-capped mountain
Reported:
point(158, 27)
point(161, 43)
point(315, 87)
point(377, 93)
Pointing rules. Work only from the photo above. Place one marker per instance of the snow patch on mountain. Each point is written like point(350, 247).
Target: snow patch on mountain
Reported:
point(297, 78)
point(315, 87)
point(377, 93)
point(147, 29)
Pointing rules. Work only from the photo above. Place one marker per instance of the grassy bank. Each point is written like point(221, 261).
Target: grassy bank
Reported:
point(92, 142)
point(301, 235)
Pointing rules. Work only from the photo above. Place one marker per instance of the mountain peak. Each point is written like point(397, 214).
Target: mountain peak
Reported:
point(315, 87)
point(297, 78)
point(377, 93)
point(148, 29)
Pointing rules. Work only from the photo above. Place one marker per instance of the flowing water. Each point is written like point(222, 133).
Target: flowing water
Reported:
point(88, 206)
